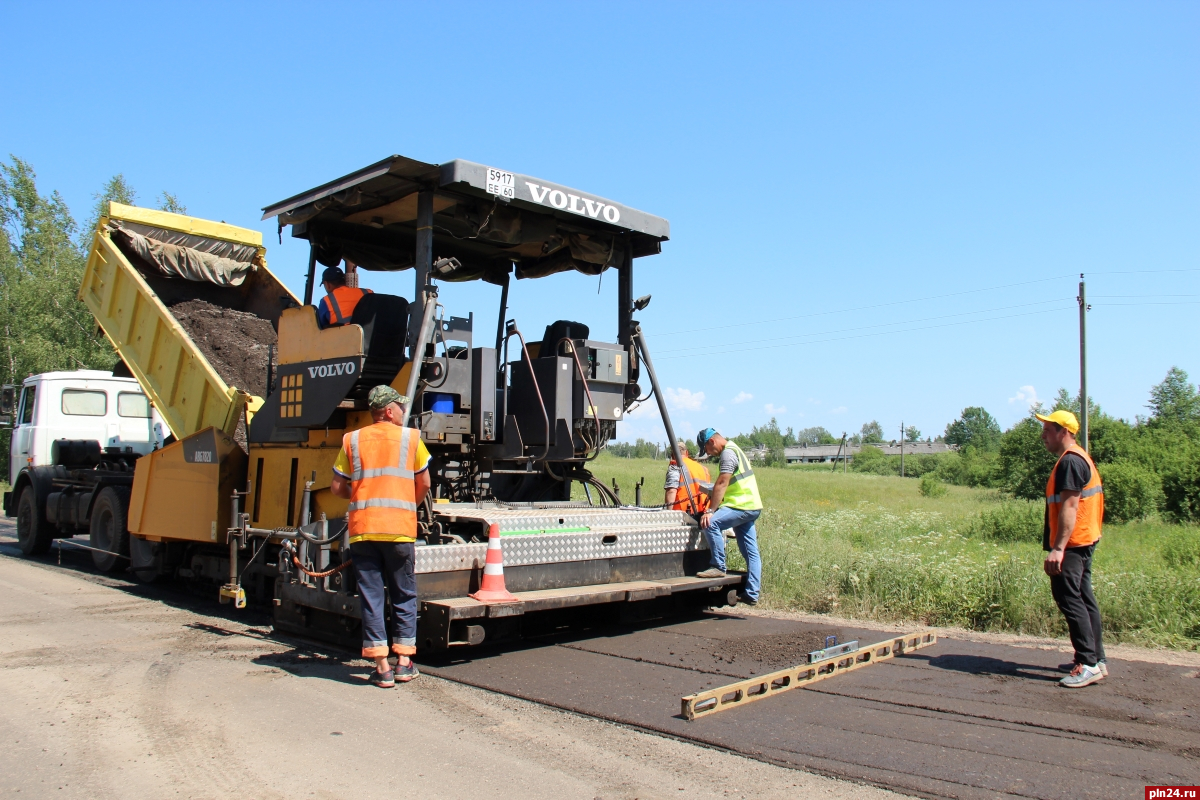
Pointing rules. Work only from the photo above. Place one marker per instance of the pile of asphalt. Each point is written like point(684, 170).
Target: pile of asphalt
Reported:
point(236, 343)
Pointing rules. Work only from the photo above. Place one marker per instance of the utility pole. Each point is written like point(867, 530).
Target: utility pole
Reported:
point(1083, 392)
point(901, 448)
point(846, 454)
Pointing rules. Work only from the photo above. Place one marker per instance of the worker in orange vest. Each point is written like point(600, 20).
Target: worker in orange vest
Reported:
point(676, 497)
point(1074, 516)
point(337, 306)
point(383, 470)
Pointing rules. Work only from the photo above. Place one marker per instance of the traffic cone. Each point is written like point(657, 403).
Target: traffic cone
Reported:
point(492, 590)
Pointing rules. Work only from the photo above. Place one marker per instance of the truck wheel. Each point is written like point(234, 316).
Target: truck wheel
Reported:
point(34, 534)
point(108, 528)
point(145, 559)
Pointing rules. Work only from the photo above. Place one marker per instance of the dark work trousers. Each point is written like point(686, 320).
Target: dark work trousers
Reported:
point(390, 563)
point(1072, 590)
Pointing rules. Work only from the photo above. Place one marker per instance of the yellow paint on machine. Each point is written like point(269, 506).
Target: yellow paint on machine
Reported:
point(278, 473)
point(184, 490)
point(171, 369)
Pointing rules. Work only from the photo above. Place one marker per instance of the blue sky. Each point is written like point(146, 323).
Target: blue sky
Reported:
point(878, 211)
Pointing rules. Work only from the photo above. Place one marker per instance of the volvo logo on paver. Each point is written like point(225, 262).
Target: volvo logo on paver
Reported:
point(566, 201)
point(329, 370)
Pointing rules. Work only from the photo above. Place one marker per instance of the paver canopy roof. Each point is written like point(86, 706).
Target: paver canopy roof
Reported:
point(486, 218)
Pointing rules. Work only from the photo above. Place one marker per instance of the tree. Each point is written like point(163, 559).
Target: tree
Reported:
point(816, 435)
point(169, 202)
point(1025, 463)
point(1175, 400)
point(975, 428)
point(911, 434)
point(872, 432)
point(116, 190)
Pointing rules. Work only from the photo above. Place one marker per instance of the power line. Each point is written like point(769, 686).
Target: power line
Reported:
point(866, 335)
point(868, 327)
point(867, 308)
point(923, 299)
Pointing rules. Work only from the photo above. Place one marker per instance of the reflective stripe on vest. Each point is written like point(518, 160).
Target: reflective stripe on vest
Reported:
point(1089, 517)
point(383, 492)
point(349, 298)
point(700, 480)
point(742, 492)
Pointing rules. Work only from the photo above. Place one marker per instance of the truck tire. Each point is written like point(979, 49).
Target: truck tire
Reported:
point(145, 559)
point(34, 534)
point(109, 523)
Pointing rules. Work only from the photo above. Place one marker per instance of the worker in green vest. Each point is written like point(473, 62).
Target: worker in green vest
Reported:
point(734, 503)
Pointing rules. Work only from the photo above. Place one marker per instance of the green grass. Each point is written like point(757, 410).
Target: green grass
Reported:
point(872, 547)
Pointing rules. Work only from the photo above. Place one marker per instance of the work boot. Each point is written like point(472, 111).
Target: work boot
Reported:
point(747, 600)
point(1081, 676)
point(711, 572)
point(1070, 666)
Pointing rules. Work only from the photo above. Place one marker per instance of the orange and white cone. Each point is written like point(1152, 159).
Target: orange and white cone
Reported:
point(492, 590)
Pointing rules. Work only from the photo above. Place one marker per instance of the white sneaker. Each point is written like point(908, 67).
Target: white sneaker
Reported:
point(1081, 676)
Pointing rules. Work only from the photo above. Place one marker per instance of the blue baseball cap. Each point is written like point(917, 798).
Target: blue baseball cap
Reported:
point(702, 437)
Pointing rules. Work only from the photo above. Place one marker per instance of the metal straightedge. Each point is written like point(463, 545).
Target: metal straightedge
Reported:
point(710, 701)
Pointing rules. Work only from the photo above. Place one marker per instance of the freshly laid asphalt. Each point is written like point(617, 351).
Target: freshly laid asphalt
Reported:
point(958, 719)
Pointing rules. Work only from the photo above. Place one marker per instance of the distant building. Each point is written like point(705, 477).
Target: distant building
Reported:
point(826, 453)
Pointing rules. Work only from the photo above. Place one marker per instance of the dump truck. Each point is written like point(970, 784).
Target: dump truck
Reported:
point(239, 496)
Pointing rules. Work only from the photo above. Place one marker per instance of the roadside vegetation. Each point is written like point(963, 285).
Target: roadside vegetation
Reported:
point(875, 547)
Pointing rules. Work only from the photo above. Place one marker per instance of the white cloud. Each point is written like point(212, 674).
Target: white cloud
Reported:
point(838, 410)
point(684, 399)
point(720, 409)
point(1026, 395)
point(771, 408)
point(742, 397)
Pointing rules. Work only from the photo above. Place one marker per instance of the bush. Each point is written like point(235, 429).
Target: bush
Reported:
point(1183, 548)
point(931, 486)
point(1131, 491)
point(967, 467)
point(1181, 488)
point(872, 461)
point(1025, 463)
point(1011, 521)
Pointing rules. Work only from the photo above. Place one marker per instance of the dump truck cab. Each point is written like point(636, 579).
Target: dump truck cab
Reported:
point(86, 404)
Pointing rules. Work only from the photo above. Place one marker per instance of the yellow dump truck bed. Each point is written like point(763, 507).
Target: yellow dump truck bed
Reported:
point(130, 296)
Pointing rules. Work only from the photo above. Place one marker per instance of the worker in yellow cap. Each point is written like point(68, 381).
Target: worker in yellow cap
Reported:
point(1074, 514)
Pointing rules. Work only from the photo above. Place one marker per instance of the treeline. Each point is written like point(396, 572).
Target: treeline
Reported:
point(1150, 465)
point(770, 437)
point(43, 251)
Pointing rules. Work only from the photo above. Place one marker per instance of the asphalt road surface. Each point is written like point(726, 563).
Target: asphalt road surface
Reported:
point(113, 690)
point(116, 690)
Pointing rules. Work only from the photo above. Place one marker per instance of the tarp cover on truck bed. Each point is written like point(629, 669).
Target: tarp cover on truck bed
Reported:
point(188, 258)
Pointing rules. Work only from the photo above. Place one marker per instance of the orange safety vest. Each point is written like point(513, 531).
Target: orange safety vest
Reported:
point(383, 488)
point(700, 477)
point(1090, 515)
point(341, 302)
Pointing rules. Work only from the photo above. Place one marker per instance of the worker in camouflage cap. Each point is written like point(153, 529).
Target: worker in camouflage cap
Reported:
point(381, 397)
point(383, 470)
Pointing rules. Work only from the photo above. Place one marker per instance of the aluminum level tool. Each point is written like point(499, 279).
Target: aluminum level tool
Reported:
point(746, 691)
